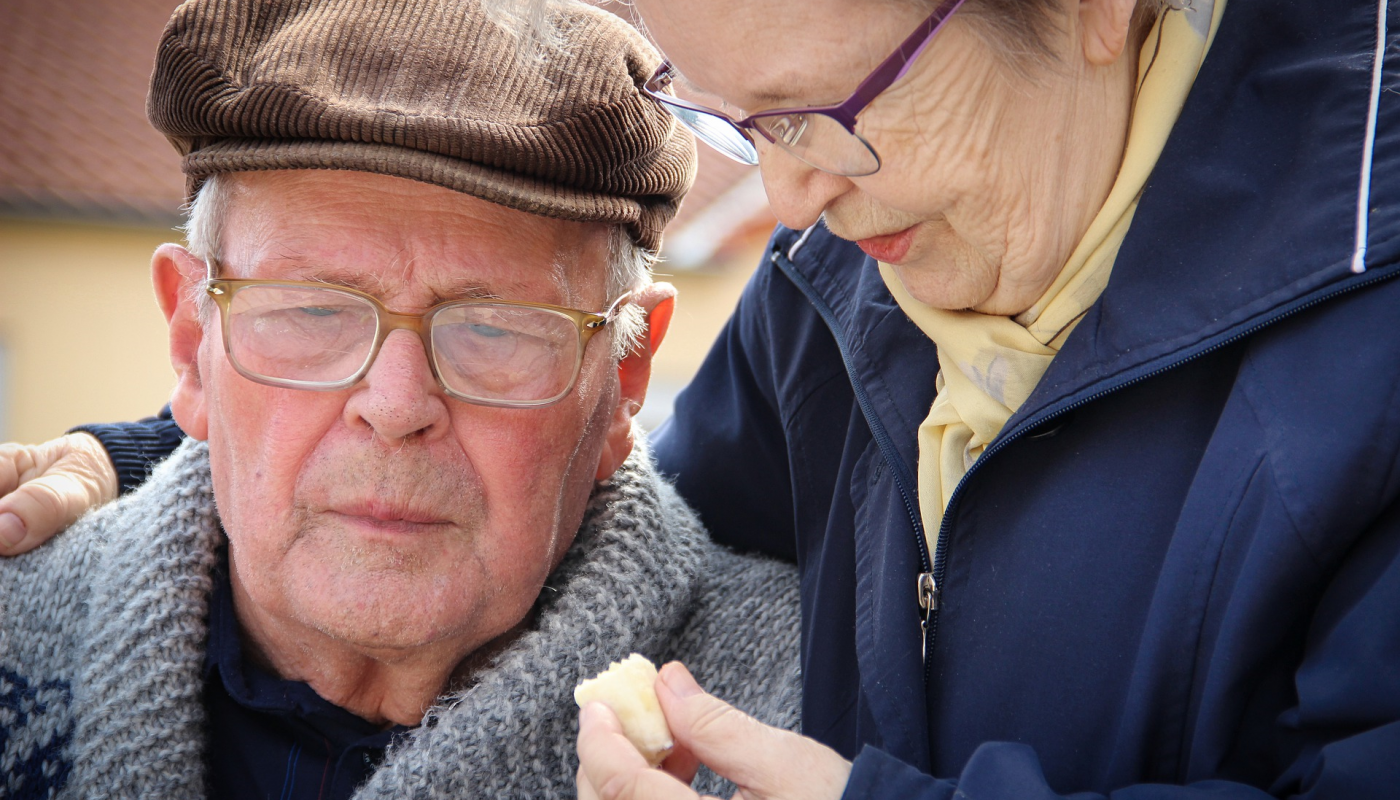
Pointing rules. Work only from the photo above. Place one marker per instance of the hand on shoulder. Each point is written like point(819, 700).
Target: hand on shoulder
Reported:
point(44, 488)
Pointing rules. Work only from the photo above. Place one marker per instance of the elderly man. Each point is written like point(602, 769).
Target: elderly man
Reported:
point(410, 332)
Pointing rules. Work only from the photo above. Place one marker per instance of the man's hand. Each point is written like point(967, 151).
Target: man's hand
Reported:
point(44, 488)
point(765, 763)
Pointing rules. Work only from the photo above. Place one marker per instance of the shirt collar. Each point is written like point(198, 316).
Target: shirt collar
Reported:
point(258, 690)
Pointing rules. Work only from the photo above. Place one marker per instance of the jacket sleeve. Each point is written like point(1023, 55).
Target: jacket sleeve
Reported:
point(136, 447)
point(1340, 741)
point(725, 447)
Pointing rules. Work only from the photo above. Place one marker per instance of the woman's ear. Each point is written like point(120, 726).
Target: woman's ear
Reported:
point(178, 277)
point(1104, 26)
point(658, 301)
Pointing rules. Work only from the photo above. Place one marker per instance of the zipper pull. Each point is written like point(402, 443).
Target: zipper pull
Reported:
point(928, 601)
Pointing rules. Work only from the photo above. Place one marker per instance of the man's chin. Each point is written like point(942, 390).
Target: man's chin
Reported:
point(384, 614)
point(372, 595)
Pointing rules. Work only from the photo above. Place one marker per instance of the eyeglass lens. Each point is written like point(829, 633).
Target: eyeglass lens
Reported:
point(505, 352)
point(312, 338)
point(816, 139)
point(821, 142)
point(300, 334)
point(717, 132)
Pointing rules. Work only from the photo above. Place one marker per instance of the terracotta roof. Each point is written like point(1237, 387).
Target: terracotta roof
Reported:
point(74, 141)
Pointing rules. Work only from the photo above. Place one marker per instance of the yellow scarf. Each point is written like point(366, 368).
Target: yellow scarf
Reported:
point(988, 365)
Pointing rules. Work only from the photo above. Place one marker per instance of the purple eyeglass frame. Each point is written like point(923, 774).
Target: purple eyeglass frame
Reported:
point(881, 78)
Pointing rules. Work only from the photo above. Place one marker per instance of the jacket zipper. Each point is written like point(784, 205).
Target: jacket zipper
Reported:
point(930, 572)
point(930, 579)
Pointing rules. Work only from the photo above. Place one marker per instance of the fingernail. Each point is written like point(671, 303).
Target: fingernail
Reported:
point(679, 680)
point(12, 529)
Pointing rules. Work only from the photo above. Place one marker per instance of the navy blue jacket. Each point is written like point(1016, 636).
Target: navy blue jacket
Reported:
point(1180, 561)
point(1176, 574)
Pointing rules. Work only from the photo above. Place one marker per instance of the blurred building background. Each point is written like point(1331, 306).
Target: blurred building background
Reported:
point(88, 190)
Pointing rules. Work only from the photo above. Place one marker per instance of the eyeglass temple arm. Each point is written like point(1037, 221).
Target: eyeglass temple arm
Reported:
point(611, 313)
point(895, 67)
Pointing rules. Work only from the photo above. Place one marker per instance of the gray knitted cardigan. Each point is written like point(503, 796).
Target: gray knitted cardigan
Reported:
point(102, 637)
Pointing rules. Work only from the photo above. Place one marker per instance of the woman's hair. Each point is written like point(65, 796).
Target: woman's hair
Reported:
point(1019, 30)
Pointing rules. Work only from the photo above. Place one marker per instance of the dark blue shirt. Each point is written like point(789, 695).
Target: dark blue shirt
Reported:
point(272, 739)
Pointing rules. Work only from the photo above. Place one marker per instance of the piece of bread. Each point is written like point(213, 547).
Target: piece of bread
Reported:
point(628, 688)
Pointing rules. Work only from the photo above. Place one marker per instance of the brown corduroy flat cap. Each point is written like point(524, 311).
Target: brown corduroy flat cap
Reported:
point(430, 90)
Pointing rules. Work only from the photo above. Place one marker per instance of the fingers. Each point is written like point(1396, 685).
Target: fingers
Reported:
point(765, 762)
point(610, 768)
point(16, 460)
point(682, 764)
point(47, 487)
point(86, 460)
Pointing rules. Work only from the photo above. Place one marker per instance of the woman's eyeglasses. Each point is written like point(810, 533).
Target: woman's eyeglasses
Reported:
point(823, 136)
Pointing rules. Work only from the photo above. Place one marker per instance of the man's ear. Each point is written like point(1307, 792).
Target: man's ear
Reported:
point(1105, 25)
point(658, 301)
point(178, 276)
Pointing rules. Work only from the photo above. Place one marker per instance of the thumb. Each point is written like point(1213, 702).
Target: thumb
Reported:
point(763, 761)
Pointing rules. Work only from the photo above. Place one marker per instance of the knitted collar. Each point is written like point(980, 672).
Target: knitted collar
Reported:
point(626, 584)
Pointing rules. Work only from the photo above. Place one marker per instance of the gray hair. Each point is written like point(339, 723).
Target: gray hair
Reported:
point(1018, 30)
point(629, 264)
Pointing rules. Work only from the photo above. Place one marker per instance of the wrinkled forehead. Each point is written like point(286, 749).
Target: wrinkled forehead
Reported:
point(757, 54)
point(407, 242)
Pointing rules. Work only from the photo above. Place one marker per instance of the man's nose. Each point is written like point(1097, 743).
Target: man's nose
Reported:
point(399, 398)
point(798, 193)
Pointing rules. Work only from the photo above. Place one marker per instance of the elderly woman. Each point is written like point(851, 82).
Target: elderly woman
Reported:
point(1078, 414)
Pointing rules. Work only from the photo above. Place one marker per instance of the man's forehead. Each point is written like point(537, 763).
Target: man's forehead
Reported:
point(380, 234)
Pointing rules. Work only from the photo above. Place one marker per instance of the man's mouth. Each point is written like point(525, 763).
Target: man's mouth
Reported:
point(390, 517)
point(890, 248)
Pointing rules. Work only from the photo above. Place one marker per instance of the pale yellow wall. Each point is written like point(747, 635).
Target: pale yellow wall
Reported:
point(86, 342)
point(704, 301)
point(84, 338)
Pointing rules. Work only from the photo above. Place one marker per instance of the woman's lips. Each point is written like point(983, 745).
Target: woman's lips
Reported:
point(889, 248)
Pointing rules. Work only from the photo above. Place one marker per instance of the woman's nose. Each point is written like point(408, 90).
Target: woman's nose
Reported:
point(797, 192)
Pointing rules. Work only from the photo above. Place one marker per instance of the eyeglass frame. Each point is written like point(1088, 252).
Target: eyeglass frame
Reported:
point(588, 323)
point(894, 67)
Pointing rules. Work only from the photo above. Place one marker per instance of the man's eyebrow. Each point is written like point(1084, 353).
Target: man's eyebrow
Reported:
point(362, 283)
point(467, 289)
point(464, 290)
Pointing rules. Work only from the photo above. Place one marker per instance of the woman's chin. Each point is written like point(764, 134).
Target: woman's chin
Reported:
point(942, 283)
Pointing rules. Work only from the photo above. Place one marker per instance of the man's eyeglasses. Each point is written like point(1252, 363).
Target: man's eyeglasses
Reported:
point(313, 336)
point(823, 136)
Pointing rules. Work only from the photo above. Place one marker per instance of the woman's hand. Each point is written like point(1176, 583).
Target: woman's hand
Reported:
point(766, 763)
point(45, 487)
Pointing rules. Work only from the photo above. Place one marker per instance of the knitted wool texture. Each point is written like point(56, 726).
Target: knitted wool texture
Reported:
point(103, 632)
point(430, 90)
